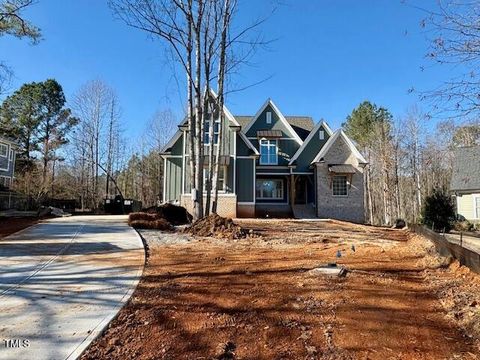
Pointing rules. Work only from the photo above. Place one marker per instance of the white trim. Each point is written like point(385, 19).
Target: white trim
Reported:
point(172, 156)
point(164, 180)
point(172, 141)
point(260, 167)
point(339, 133)
point(245, 203)
point(310, 137)
point(246, 157)
point(280, 116)
point(7, 148)
point(254, 179)
point(302, 173)
point(229, 115)
point(280, 138)
point(281, 174)
point(234, 162)
point(183, 164)
point(271, 203)
point(475, 212)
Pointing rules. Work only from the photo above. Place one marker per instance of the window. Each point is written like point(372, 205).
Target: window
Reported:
point(477, 206)
point(339, 185)
point(3, 150)
point(221, 178)
point(5, 181)
point(268, 152)
point(321, 135)
point(269, 189)
point(206, 132)
point(11, 155)
point(269, 117)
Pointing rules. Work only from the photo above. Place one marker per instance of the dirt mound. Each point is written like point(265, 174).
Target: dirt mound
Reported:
point(142, 220)
point(216, 226)
point(174, 214)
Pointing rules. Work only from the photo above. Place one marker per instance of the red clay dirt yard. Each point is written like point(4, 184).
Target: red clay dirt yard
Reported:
point(260, 298)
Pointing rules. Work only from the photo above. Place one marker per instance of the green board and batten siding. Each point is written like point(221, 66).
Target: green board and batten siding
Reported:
point(261, 124)
point(310, 151)
point(244, 179)
point(173, 171)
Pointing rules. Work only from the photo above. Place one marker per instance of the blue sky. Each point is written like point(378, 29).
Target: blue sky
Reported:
point(328, 56)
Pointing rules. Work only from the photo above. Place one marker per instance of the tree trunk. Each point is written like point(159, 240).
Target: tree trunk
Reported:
point(198, 191)
point(221, 98)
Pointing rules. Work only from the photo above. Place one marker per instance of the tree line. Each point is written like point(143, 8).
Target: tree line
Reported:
point(409, 158)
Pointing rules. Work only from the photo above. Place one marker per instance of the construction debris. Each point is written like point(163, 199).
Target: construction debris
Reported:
point(216, 226)
point(143, 220)
point(174, 214)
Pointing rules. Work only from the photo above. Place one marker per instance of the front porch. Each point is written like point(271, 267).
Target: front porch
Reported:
point(285, 196)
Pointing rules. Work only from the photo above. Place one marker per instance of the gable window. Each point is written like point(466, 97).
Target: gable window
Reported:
point(268, 152)
point(221, 178)
point(206, 132)
point(339, 185)
point(269, 189)
point(3, 150)
point(269, 117)
point(321, 135)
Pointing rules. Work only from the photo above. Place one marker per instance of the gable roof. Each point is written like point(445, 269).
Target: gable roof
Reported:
point(339, 133)
point(280, 116)
point(301, 124)
point(309, 137)
point(466, 169)
point(230, 117)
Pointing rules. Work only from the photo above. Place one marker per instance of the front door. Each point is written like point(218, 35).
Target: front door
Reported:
point(301, 190)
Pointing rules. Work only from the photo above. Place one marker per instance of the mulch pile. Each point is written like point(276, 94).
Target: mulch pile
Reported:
point(174, 214)
point(142, 220)
point(216, 226)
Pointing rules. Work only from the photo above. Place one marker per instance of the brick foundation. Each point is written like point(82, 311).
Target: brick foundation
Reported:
point(227, 204)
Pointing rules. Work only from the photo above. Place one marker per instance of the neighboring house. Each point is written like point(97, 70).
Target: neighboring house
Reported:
point(466, 182)
point(7, 162)
point(275, 165)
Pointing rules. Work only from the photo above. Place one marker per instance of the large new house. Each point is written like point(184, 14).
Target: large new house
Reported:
point(465, 182)
point(274, 165)
point(7, 162)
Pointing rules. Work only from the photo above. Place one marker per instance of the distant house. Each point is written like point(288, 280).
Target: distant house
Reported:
point(7, 162)
point(466, 182)
point(275, 165)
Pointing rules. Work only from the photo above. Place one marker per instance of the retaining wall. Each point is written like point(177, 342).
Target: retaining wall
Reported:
point(445, 248)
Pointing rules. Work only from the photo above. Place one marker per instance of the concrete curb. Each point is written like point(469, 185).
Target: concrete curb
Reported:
point(101, 327)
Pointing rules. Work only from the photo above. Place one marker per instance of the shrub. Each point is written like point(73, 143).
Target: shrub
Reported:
point(464, 226)
point(438, 211)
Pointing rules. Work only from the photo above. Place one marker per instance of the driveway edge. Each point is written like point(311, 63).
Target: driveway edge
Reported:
point(100, 328)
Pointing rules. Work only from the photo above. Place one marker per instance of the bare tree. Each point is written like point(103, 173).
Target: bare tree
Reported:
point(455, 42)
point(95, 105)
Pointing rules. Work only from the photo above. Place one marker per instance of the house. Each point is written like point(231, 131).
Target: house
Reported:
point(465, 182)
point(7, 162)
point(274, 165)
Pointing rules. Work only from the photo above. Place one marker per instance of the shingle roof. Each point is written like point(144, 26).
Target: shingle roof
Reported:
point(466, 169)
point(301, 124)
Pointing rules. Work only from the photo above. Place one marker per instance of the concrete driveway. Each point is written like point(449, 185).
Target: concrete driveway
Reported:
point(62, 281)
